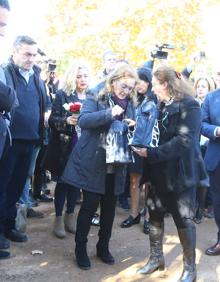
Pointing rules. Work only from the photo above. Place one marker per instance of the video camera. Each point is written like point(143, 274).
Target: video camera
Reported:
point(159, 53)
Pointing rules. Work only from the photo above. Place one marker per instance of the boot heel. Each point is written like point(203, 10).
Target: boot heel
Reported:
point(161, 267)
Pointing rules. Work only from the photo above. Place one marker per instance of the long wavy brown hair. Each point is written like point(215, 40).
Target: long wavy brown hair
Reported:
point(177, 85)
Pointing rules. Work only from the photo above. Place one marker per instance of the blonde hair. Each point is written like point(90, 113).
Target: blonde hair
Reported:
point(121, 71)
point(177, 85)
point(68, 82)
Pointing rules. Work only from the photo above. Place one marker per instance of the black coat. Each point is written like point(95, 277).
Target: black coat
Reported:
point(86, 167)
point(7, 100)
point(62, 134)
point(177, 162)
point(210, 121)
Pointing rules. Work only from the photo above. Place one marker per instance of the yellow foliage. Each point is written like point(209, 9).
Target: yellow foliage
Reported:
point(87, 28)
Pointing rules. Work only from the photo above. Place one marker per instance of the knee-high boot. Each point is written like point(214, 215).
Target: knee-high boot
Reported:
point(102, 246)
point(82, 258)
point(187, 238)
point(82, 229)
point(105, 231)
point(103, 252)
point(156, 260)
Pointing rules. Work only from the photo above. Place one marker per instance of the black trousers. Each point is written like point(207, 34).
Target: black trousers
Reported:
point(180, 205)
point(89, 206)
point(39, 173)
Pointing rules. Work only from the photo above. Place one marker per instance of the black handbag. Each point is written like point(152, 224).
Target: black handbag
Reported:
point(117, 140)
point(146, 132)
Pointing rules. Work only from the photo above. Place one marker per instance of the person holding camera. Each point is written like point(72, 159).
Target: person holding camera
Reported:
point(179, 164)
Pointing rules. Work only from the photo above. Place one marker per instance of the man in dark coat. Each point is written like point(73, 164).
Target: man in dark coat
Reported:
point(211, 129)
point(26, 127)
point(7, 99)
point(7, 95)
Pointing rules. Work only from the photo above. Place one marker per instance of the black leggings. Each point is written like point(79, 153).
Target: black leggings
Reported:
point(180, 205)
point(65, 192)
point(89, 206)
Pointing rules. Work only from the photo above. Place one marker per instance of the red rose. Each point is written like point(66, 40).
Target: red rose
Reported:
point(75, 107)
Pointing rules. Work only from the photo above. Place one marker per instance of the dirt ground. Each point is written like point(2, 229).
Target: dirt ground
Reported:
point(130, 248)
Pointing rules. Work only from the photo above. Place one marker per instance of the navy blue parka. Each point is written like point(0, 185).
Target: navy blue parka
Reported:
point(86, 167)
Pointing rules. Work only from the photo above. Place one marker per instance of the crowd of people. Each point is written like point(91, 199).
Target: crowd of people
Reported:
point(40, 133)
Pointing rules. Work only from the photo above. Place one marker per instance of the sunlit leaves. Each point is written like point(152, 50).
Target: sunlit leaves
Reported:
point(87, 28)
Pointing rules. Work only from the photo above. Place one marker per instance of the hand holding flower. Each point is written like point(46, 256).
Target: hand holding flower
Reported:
point(71, 120)
point(73, 107)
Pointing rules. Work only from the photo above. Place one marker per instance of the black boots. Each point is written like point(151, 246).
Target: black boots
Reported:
point(82, 258)
point(156, 260)
point(103, 253)
point(187, 238)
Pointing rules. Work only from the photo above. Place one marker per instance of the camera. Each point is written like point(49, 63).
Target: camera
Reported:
point(158, 52)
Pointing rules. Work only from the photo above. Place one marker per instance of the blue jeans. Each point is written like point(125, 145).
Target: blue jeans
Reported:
point(25, 197)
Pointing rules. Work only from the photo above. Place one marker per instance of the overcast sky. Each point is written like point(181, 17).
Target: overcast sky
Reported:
point(26, 18)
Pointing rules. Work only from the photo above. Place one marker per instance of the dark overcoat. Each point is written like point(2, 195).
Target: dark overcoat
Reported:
point(86, 167)
point(62, 134)
point(177, 163)
point(7, 99)
point(210, 122)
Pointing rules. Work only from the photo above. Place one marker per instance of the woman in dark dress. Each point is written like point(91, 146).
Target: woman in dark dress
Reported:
point(64, 135)
point(176, 167)
point(87, 168)
point(135, 170)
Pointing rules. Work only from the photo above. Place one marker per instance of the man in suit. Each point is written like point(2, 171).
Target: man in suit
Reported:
point(211, 129)
point(27, 130)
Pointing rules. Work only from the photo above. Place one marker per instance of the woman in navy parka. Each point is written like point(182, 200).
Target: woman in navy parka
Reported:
point(87, 167)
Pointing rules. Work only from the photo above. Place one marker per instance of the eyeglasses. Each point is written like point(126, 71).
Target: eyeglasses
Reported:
point(125, 87)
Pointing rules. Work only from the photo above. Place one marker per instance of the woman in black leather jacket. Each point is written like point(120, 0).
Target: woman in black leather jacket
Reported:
point(176, 167)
